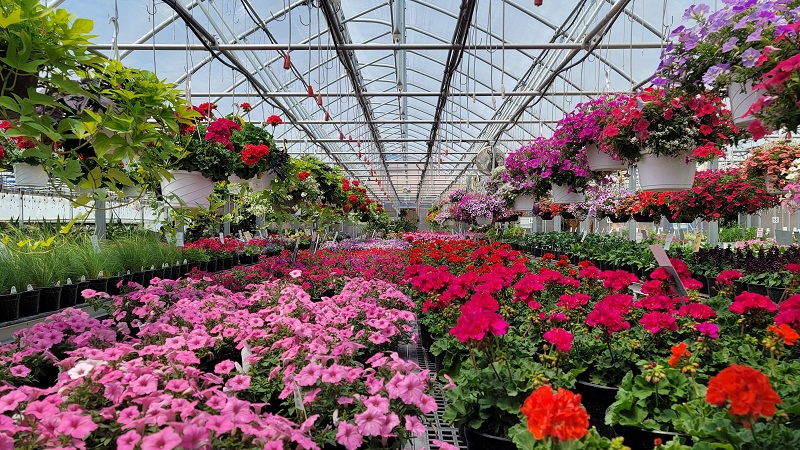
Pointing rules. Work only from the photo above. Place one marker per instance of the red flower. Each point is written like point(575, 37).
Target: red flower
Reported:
point(618, 280)
point(757, 129)
point(784, 333)
point(706, 130)
point(246, 107)
point(794, 268)
point(2, 153)
point(658, 321)
point(556, 414)
point(678, 352)
point(5, 125)
point(559, 337)
point(352, 199)
point(274, 120)
point(727, 277)
point(303, 175)
point(789, 312)
point(746, 391)
point(205, 109)
point(252, 154)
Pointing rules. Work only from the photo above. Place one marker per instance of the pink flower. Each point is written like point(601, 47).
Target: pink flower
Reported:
point(414, 426)
point(559, 337)
point(708, 329)
point(239, 382)
point(657, 321)
point(128, 440)
point(748, 302)
point(370, 421)
point(10, 401)
point(224, 367)
point(443, 445)
point(296, 273)
point(146, 384)
point(333, 374)
point(697, 311)
point(618, 280)
point(308, 375)
point(219, 424)
point(348, 436)
point(76, 425)
point(727, 277)
point(177, 385)
point(166, 439)
point(20, 371)
point(194, 437)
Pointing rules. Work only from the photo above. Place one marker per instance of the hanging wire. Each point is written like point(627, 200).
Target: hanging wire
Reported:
point(152, 20)
point(503, 52)
point(115, 39)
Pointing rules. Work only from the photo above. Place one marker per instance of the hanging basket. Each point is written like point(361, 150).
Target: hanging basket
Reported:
point(131, 191)
point(523, 203)
point(665, 173)
point(619, 219)
point(771, 185)
point(546, 215)
point(483, 220)
point(262, 182)
point(237, 179)
point(742, 96)
point(28, 175)
point(602, 162)
point(643, 218)
point(190, 187)
point(566, 194)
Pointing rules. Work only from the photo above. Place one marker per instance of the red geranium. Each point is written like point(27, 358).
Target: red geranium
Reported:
point(246, 107)
point(252, 154)
point(274, 120)
point(303, 175)
point(559, 415)
point(746, 391)
point(559, 337)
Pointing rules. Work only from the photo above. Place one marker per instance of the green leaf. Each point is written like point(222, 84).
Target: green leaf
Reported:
point(14, 17)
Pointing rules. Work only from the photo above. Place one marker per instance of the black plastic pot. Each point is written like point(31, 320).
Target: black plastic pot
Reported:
point(596, 399)
point(619, 219)
point(704, 289)
point(775, 293)
point(29, 303)
point(211, 266)
point(138, 278)
point(740, 287)
point(424, 337)
point(757, 288)
point(81, 286)
point(69, 294)
point(99, 284)
point(643, 218)
point(50, 298)
point(438, 362)
point(227, 263)
point(9, 307)
point(111, 286)
point(481, 441)
point(641, 439)
point(157, 273)
point(148, 275)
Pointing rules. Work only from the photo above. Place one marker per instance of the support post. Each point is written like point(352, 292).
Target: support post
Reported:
point(100, 218)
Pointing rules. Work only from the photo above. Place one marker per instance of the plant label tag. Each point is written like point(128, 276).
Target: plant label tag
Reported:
point(335, 236)
point(95, 243)
point(585, 232)
point(222, 238)
point(663, 260)
point(373, 233)
point(248, 235)
point(179, 239)
point(608, 220)
point(261, 233)
point(760, 233)
point(783, 237)
point(668, 241)
point(169, 239)
point(697, 241)
point(240, 234)
point(776, 219)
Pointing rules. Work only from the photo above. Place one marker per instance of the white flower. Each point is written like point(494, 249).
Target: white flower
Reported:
point(80, 370)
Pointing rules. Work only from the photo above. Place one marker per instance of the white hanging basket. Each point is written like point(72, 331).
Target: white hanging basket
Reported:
point(236, 179)
point(481, 220)
point(523, 203)
point(742, 96)
point(602, 162)
point(263, 183)
point(566, 194)
point(28, 175)
point(665, 173)
point(191, 187)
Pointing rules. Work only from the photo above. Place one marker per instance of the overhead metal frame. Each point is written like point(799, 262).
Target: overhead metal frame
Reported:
point(405, 129)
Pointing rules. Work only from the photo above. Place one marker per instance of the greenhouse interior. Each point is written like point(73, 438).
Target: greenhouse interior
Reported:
point(402, 224)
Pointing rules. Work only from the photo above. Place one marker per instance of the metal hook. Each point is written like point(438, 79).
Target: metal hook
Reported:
point(155, 9)
point(300, 18)
point(283, 15)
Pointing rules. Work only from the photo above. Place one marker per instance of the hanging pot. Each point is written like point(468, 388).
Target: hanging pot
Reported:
point(665, 173)
point(191, 187)
point(771, 185)
point(262, 182)
point(619, 219)
point(524, 203)
point(643, 218)
point(483, 220)
point(28, 175)
point(546, 215)
point(131, 191)
point(602, 162)
point(237, 179)
point(566, 194)
point(742, 97)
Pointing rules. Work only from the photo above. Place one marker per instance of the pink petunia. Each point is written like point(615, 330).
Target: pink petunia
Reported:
point(75, 425)
point(20, 371)
point(224, 367)
point(128, 440)
point(166, 439)
point(348, 436)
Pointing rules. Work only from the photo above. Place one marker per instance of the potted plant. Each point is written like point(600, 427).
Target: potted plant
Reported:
point(45, 271)
point(665, 132)
point(772, 161)
point(28, 169)
point(9, 302)
point(580, 132)
point(604, 202)
point(731, 50)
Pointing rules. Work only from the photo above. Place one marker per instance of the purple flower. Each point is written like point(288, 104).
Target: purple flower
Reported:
point(750, 57)
point(714, 72)
point(729, 44)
